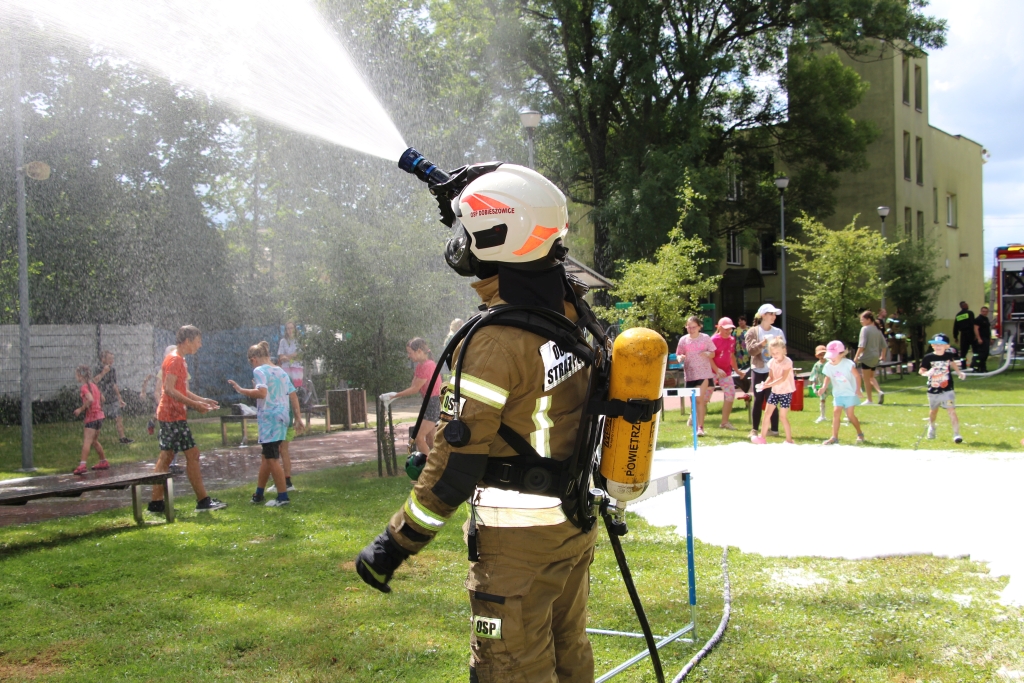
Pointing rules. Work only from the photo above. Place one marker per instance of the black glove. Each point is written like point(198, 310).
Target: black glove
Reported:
point(378, 561)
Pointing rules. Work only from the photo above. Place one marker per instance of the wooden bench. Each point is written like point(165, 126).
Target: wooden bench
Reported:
point(22, 491)
point(224, 419)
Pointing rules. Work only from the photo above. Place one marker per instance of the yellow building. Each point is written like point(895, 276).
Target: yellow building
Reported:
point(930, 180)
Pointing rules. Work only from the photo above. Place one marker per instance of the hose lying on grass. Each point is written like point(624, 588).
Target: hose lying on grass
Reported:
point(726, 611)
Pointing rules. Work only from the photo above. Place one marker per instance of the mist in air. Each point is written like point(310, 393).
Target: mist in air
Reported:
point(277, 60)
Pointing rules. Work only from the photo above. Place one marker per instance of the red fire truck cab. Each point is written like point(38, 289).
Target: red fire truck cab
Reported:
point(1008, 294)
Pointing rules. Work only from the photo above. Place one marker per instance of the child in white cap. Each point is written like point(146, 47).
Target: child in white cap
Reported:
point(939, 366)
point(842, 375)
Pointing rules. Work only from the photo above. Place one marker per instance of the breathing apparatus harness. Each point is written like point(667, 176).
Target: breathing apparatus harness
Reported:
point(529, 472)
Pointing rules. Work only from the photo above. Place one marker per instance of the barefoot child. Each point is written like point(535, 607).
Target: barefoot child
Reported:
point(938, 366)
point(272, 388)
point(816, 380)
point(92, 407)
point(781, 381)
point(844, 379)
point(724, 365)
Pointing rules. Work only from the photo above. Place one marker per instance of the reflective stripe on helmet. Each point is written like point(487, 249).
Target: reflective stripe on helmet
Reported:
point(421, 514)
point(536, 238)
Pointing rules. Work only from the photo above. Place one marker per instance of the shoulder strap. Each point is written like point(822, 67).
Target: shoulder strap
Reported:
point(544, 323)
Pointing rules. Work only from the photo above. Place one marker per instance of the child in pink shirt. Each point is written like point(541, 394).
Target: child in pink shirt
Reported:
point(697, 352)
point(725, 365)
point(92, 406)
point(783, 384)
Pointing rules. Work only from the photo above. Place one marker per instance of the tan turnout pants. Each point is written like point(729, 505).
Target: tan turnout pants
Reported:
point(528, 594)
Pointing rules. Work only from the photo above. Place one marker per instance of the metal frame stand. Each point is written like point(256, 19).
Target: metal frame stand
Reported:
point(657, 487)
point(386, 456)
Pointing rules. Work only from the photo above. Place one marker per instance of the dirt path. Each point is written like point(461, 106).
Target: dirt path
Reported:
point(222, 468)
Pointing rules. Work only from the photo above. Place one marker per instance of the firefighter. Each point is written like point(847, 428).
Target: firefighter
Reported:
point(528, 579)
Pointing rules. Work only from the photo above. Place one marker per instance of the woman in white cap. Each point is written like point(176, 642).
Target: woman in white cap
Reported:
point(756, 341)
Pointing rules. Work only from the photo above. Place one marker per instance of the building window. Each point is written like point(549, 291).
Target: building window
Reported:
point(919, 143)
point(935, 205)
point(735, 185)
point(908, 222)
point(951, 210)
point(906, 155)
point(906, 80)
point(920, 225)
point(734, 255)
point(769, 253)
point(918, 89)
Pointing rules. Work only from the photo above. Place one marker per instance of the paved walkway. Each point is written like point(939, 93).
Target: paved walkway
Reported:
point(223, 468)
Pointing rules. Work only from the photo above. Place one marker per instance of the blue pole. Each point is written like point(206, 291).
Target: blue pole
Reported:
point(690, 570)
point(693, 413)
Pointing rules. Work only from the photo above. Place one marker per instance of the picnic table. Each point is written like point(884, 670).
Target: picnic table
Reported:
point(21, 491)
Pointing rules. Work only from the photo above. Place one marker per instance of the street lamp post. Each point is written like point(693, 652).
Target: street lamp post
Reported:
point(530, 120)
point(782, 183)
point(883, 211)
point(23, 304)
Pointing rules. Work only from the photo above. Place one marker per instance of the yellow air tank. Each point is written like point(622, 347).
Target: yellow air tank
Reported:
point(639, 356)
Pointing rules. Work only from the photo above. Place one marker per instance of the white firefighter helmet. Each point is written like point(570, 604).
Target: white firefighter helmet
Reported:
point(514, 215)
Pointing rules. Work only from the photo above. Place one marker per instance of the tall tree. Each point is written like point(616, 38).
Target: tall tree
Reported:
point(914, 284)
point(643, 93)
point(843, 270)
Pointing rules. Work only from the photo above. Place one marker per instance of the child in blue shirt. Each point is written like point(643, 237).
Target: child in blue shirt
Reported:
point(272, 389)
point(842, 375)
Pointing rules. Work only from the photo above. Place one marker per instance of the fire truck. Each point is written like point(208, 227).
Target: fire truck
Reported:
point(1008, 295)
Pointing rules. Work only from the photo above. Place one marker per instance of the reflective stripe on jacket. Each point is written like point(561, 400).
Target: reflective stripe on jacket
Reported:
point(510, 376)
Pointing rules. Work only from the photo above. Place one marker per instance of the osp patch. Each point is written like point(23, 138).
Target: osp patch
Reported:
point(487, 627)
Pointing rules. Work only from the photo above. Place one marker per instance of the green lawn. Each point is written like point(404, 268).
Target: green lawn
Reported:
point(251, 593)
point(57, 446)
point(899, 423)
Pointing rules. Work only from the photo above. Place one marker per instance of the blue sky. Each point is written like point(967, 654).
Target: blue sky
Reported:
point(977, 90)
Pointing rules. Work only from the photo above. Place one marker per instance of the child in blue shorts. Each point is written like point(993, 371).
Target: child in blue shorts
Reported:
point(842, 375)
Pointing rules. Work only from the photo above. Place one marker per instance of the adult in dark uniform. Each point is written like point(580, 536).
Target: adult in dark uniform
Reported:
point(529, 583)
point(982, 340)
point(963, 330)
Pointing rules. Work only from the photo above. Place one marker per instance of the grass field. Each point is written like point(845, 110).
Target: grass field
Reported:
point(57, 446)
point(252, 593)
point(248, 592)
point(899, 423)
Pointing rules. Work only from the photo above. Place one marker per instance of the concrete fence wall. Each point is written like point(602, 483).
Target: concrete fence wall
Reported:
point(56, 350)
point(138, 349)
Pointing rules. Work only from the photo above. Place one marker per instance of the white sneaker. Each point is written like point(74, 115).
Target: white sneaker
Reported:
point(291, 488)
point(957, 438)
point(866, 402)
point(820, 420)
point(276, 503)
point(931, 431)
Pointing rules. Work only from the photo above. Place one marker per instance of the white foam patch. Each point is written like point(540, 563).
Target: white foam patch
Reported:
point(852, 502)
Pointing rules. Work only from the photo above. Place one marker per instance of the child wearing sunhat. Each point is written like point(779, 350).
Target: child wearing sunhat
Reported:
point(816, 380)
point(724, 366)
point(939, 366)
point(843, 377)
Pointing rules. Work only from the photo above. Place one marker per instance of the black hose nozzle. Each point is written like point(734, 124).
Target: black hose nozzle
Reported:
point(413, 162)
